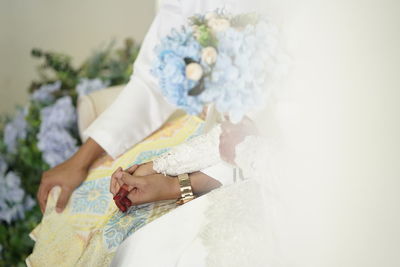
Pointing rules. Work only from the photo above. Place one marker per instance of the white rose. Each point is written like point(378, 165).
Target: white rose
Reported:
point(219, 25)
point(194, 71)
point(210, 15)
point(209, 55)
point(195, 27)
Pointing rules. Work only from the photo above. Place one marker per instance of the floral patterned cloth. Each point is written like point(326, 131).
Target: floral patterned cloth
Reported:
point(91, 227)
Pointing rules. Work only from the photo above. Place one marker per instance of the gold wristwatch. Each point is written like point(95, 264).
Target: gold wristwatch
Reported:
point(186, 189)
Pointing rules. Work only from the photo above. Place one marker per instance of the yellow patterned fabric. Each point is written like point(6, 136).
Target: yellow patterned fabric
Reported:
point(91, 227)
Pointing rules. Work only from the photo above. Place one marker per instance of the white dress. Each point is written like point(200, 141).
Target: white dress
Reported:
point(227, 227)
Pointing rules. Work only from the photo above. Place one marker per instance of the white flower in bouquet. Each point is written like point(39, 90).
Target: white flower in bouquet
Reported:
point(218, 24)
point(209, 55)
point(210, 15)
point(194, 71)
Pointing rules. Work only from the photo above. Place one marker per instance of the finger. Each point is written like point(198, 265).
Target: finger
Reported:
point(63, 200)
point(121, 184)
point(119, 169)
point(42, 196)
point(129, 179)
point(132, 169)
point(114, 181)
point(113, 185)
point(145, 169)
point(138, 197)
point(135, 197)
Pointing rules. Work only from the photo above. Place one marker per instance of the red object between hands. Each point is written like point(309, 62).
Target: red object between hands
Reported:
point(121, 200)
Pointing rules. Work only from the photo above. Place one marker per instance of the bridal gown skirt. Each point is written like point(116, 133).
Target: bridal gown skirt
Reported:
point(91, 227)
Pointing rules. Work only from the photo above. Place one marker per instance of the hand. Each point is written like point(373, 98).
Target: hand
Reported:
point(151, 188)
point(68, 176)
point(139, 170)
point(116, 182)
point(144, 169)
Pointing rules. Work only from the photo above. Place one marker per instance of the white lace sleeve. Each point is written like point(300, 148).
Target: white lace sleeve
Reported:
point(196, 154)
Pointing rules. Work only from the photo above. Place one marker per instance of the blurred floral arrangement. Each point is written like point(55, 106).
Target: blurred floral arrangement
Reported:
point(44, 133)
point(221, 59)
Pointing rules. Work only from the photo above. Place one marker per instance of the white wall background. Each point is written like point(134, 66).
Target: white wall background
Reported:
point(75, 27)
point(339, 167)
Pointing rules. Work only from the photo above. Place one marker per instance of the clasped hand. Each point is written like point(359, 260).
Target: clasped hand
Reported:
point(145, 185)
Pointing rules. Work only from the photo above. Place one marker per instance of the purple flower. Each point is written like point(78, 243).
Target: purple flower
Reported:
point(87, 86)
point(15, 130)
point(45, 92)
point(54, 138)
point(56, 145)
point(13, 200)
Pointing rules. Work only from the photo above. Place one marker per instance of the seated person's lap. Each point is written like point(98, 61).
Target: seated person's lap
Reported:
point(91, 211)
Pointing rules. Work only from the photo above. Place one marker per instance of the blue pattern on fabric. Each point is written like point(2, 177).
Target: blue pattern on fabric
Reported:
point(121, 225)
point(92, 197)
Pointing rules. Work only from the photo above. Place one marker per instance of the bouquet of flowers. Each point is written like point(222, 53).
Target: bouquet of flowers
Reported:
point(219, 59)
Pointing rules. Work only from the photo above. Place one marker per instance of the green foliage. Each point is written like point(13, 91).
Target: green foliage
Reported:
point(57, 64)
point(17, 244)
point(205, 37)
point(197, 20)
point(114, 66)
point(109, 64)
point(28, 160)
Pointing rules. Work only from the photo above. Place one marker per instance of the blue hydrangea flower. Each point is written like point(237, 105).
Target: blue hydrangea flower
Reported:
point(14, 130)
point(54, 138)
point(169, 68)
point(87, 86)
point(13, 200)
point(235, 84)
point(45, 93)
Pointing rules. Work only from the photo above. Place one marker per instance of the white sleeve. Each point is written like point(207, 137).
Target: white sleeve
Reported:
point(199, 153)
point(140, 108)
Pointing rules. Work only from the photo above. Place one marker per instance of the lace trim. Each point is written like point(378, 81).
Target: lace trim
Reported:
point(238, 228)
point(196, 154)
